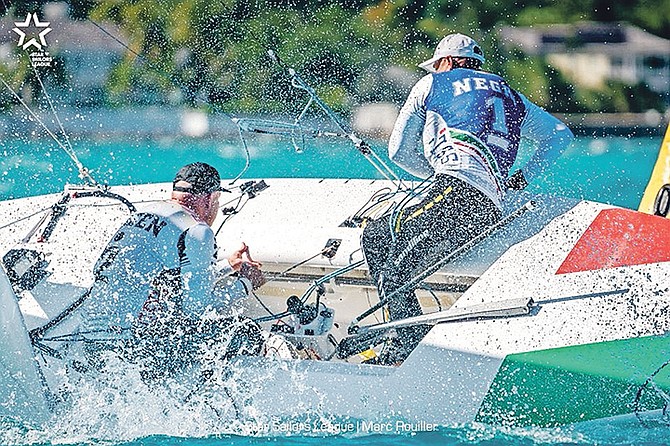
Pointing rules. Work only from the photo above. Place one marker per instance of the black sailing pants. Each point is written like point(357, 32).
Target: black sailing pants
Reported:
point(452, 214)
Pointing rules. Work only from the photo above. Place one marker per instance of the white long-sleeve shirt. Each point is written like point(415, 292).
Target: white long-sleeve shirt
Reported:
point(157, 243)
point(468, 124)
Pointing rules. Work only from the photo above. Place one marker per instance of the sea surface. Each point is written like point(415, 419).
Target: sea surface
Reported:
point(609, 169)
point(613, 170)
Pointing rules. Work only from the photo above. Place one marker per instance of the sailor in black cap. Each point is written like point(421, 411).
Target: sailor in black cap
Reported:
point(163, 261)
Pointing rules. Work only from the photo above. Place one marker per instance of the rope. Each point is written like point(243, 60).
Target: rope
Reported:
point(53, 109)
point(247, 155)
point(313, 287)
point(638, 396)
point(416, 280)
point(83, 172)
point(80, 336)
point(11, 223)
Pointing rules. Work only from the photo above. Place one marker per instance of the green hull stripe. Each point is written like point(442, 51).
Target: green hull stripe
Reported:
point(566, 385)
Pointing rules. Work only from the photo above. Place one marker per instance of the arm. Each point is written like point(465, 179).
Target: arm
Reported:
point(550, 136)
point(200, 272)
point(240, 257)
point(405, 143)
point(241, 262)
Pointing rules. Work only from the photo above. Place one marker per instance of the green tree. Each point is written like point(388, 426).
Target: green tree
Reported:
point(215, 52)
point(218, 51)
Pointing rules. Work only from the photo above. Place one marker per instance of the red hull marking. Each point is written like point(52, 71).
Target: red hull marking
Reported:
point(620, 237)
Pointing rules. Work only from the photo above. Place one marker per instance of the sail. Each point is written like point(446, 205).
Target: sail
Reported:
point(660, 176)
point(23, 391)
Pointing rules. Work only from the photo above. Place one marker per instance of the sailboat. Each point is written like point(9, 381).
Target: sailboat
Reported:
point(556, 315)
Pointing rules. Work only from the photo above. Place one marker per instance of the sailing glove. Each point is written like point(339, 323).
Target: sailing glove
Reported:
point(516, 181)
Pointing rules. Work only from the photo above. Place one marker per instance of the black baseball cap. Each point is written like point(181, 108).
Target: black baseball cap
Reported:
point(202, 179)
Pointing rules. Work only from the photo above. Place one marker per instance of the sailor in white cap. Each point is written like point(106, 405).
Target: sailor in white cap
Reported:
point(454, 45)
point(460, 126)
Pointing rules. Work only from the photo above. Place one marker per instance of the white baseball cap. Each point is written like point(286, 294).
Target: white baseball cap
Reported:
point(457, 45)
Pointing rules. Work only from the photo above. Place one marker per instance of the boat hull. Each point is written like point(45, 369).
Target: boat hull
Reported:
point(594, 337)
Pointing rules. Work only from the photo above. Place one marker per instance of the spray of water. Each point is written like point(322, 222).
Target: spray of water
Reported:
point(119, 400)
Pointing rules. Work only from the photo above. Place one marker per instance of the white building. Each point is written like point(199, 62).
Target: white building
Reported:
point(589, 54)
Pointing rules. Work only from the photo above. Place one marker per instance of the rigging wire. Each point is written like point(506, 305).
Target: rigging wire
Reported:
point(298, 83)
point(13, 222)
point(396, 212)
point(198, 97)
point(83, 171)
point(69, 150)
point(363, 147)
point(156, 68)
point(53, 109)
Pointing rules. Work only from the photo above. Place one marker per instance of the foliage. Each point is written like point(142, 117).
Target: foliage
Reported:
point(620, 97)
point(214, 53)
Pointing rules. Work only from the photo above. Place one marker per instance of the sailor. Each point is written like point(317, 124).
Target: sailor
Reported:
point(160, 269)
point(461, 126)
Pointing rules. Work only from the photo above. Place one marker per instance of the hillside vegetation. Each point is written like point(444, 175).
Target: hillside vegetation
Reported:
point(354, 51)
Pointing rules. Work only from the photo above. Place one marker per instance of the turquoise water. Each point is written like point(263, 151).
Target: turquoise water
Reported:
point(601, 433)
point(613, 170)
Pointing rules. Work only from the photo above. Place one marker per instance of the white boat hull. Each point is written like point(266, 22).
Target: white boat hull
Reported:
point(598, 319)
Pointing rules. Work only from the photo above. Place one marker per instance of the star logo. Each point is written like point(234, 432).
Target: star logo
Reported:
point(33, 41)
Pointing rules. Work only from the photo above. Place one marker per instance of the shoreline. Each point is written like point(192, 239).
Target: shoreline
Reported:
point(650, 123)
point(179, 122)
